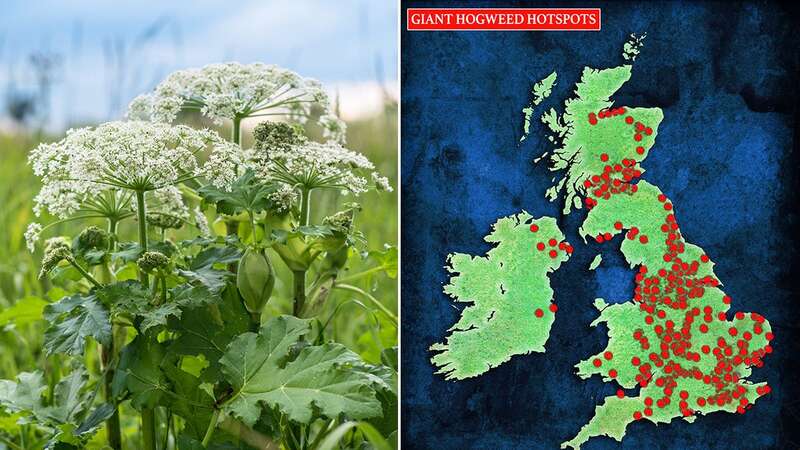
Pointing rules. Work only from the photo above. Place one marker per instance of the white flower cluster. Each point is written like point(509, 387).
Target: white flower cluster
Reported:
point(234, 90)
point(130, 155)
point(166, 200)
point(313, 164)
point(283, 198)
point(201, 222)
point(32, 236)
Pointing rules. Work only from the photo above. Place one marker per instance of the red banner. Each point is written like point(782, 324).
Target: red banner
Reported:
point(503, 19)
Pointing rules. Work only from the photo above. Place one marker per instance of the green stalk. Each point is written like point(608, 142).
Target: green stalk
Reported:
point(231, 225)
point(148, 414)
point(212, 425)
point(107, 357)
point(299, 284)
point(368, 296)
point(83, 272)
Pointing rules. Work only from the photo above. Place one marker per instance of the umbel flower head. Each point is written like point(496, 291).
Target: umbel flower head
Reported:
point(130, 155)
point(152, 261)
point(283, 155)
point(233, 90)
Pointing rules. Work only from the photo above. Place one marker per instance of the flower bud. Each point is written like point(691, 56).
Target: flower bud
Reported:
point(93, 238)
point(164, 220)
point(255, 279)
point(57, 250)
point(152, 261)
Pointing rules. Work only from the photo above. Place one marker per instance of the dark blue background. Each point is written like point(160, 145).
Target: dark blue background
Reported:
point(726, 77)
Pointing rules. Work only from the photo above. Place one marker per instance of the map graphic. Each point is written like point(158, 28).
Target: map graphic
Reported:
point(678, 348)
point(599, 235)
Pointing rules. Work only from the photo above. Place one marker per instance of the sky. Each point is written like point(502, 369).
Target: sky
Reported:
point(104, 53)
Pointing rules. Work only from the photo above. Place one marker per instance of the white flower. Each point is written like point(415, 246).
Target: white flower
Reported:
point(32, 236)
point(381, 182)
point(315, 165)
point(131, 155)
point(283, 198)
point(167, 200)
point(201, 222)
point(233, 90)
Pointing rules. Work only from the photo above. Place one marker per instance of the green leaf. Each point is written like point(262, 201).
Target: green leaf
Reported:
point(389, 357)
point(372, 435)
point(128, 296)
point(188, 400)
point(208, 330)
point(387, 259)
point(202, 268)
point(24, 312)
point(73, 320)
point(24, 395)
point(69, 399)
point(247, 193)
point(320, 379)
point(95, 419)
point(139, 373)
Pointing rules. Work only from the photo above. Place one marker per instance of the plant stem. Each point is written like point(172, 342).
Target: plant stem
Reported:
point(305, 207)
point(148, 429)
point(236, 132)
point(300, 275)
point(212, 425)
point(84, 273)
point(140, 209)
point(112, 424)
point(107, 354)
point(368, 296)
point(148, 414)
point(299, 291)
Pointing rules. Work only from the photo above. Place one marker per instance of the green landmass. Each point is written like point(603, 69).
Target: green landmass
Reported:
point(596, 261)
point(508, 295)
point(540, 91)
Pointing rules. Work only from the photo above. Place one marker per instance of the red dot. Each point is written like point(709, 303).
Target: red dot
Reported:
point(604, 157)
point(701, 401)
point(662, 198)
point(592, 119)
point(612, 373)
point(534, 228)
point(540, 246)
point(552, 242)
point(726, 300)
point(629, 120)
point(539, 312)
point(618, 225)
point(648, 131)
point(608, 355)
point(597, 362)
point(635, 361)
point(640, 150)
point(553, 253)
point(637, 137)
point(643, 239)
point(637, 415)
point(620, 393)
point(553, 307)
point(704, 258)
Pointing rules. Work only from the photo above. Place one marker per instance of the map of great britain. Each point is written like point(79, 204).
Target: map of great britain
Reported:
point(676, 349)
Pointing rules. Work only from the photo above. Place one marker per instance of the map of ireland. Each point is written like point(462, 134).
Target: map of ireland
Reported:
point(677, 346)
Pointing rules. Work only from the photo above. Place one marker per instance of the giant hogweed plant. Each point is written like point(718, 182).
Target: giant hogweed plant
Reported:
point(183, 335)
